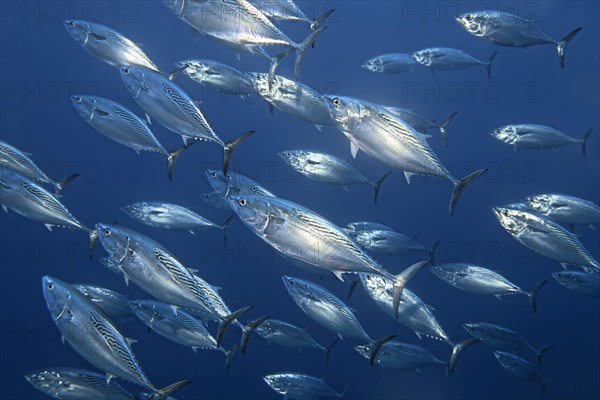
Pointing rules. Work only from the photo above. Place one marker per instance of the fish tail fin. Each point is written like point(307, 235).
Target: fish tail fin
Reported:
point(92, 242)
point(460, 186)
point(60, 185)
point(224, 227)
point(488, 65)
point(562, 46)
point(302, 48)
point(247, 331)
point(169, 390)
point(584, 139)
point(444, 127)
point(231, 146)
point(433, 249)
point(377, 344)
point(377, 184)
point(401, 279)
point(532, 294)
point(229, 355)
point(316, 23)
point(540, 354)
point(227, 320)
point(275, 61)
point(456, 350)
point(352, 287)
point(328, 349)
point(172, 156)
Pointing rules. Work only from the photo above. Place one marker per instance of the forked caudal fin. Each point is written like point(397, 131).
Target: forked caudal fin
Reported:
point(224, 227)
point(444, 127)
point(169, 390)
point(328, 349)
point(456, 350)
point(302, 48)
point(172, 156)
point(488, 65)
point(60, 185)
point(433, 249)
point(401, 279)
point(459, 187)
point(316, 23)
point(227, 320)
point(540, 354)
point(377, 346)
point(229, 355)
point(532, 294)
point(352, 287)
point(275, 61)
point(584, 139)
point(231, 146)
point(562, 46)
point(92, 242)
point(247, 331)
point(377, 185)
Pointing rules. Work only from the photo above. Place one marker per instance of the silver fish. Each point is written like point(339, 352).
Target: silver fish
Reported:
point(108, 45)
point(503, 338)
point(21, 163)
point(389, 139)
point(76, 384)
point(449, 59)
point(110, 302)
point(392, 63)
point(94, 337)
point(532, 136)
point(33, 202)
point(293, 98)
point(565, 209)
point(580, 282)
point(301, 234)
point(421, 124)
point(122, 126)
point(174, 109)
point(281, 333)
point(476, 279)
point(219, 76)
point(382, 239)
point(234, 184)
point(400, 355)
point(522, 369)
point(509, 30)
point(295, 386)
point(326, 168)
point(287, 10)
point(545, 237)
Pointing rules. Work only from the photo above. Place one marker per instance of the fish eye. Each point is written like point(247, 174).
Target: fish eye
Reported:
point(468, 17)
point(126, 70)
point(213, 174)
point(291, 281)
point(107, 232)
point(242, 202)
point(505, 213)
point(50, 286)
point(335, 102)
point(72, 24)
point(78, 99)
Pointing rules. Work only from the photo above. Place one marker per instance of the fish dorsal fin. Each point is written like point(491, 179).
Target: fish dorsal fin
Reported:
point(353, 149)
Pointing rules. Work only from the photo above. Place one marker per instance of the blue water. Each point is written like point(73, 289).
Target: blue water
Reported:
point(41, 66)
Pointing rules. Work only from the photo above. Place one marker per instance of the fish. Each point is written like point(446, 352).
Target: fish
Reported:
point(535, 137)
point(89, 331)
point(121, 125)
point(392, 141)
point(174, 109)
point(503, 338)
point(544, 236)
point(287, 10)
point(400, 355)
point(20, 162)
point(522, 369)
point(392, 63)
point(421, 124)
point(476, 279)
point(580, 282)
point(303, 235)
point(216, 200)
point(160, 274)
point(178, 326)
point(218, 76)
point(171, 216)
point(294, 386)
point(510, 30)
point(113, 304)
point(326, 168)
point(293, 98)
point(108, 45)
point(382, 239)
point(235, 184)
point(449, 59)
point(33, 202)
point(565, 209)
point(76, 384)
point(240, 26)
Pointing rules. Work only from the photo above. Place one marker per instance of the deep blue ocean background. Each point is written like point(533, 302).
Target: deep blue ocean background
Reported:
point(41, 67)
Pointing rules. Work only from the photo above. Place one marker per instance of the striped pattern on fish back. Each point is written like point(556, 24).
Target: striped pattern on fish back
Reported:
point(137, 125)
point(47, 199)
point(187, 107)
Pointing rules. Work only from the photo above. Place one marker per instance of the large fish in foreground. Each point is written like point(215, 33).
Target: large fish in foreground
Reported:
point(545, 237)
point(94, 336)
point(384, 136)
point(532, 136)
point(326, 168)
point(509, 30)
point(301, 387)
point(174, 109)
point(565, 209)
point(449, 59)
point(522, 369)
point(303, 235)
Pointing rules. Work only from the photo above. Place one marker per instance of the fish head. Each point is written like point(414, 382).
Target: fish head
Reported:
point(58, 296)
point(134, 79)
point(197, 69)
point(218, 180)
point(563, 277)
point(506, 134)
point(473, 329)
point(85, 105)
point(363, 349)
point(136, 210)
point(517, 206)
point(294, 158)
point(513, 221)
point(343, 110)
point(476, 23)
point(423, 57)
point(276, 382)
point(116, 241)
point(266, 89)
point(145, 310)
point(297, 288)
point(253, 210)
point(49, 382)
point(541, 203)
point(444, 272)
point(79, 30)
point(374, 64)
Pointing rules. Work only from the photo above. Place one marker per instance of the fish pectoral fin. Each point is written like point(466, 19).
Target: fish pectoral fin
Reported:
point(408, 175)
point(49, 227)
point(353, 149)
point(109, 378)
point(195, 349)
point(130, 341)
point(97, 37)
point(100, 112)
point(339, 275)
